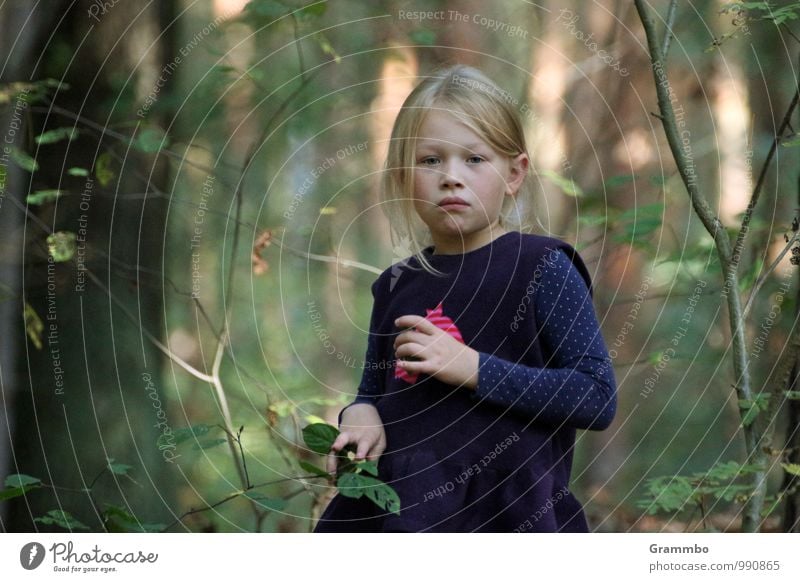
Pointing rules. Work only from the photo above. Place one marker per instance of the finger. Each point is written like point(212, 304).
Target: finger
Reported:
point(363, 449)
point(410, 336)
point(331, 464)
point(410, 350)
point(413, 366)
point(407, 321)
point(341, 441)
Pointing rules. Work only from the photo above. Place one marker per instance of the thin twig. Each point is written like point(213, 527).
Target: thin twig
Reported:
point(765, 275)
point(673, 5)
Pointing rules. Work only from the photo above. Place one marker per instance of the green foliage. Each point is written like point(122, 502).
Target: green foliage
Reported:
point(103, 169)
point(672, 494)
point(270, 503)
point(60, 518)
point(765, 11)
point(56, 135)
point(117, 519)
point(61, 245)
point(151, 140)
point(34, 326)
point(23, 160)
point(566, 185)
point(17, 485)
point(43, 196)
point(753, 407)
point(356, 485)
point(319, 437)
point(352, 480)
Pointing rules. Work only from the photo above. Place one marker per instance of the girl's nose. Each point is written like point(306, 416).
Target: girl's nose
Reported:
point(450, 177)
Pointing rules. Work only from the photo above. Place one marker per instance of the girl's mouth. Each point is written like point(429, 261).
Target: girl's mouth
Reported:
point(452, 203)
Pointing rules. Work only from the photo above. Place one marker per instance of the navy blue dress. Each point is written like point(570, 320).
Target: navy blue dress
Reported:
point(496, 459)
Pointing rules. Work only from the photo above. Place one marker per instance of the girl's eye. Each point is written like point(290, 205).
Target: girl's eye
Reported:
point(475, 159)
point(428, 161)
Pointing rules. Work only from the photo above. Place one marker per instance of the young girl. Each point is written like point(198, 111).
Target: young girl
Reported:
point(484, 354)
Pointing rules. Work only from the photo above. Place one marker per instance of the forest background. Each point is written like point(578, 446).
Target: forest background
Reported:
point(190, 222)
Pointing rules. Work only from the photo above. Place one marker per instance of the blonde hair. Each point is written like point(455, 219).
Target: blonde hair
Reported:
point(481, 105)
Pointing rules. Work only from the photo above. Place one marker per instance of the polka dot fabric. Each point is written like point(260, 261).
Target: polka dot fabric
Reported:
point(577, 387)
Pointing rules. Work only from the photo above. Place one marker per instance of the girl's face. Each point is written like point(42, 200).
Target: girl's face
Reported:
point(460, 183)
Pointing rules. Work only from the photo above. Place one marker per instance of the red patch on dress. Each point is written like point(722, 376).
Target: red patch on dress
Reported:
point(441, 321)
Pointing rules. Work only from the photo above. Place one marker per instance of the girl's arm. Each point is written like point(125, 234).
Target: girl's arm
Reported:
point(577, 388)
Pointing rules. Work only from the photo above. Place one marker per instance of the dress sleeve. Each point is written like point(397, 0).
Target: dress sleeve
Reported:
point(371, 386)
point(577, 387)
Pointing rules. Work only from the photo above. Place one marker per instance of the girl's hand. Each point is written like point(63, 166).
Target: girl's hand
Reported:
point(437, 353)
point(361, 426)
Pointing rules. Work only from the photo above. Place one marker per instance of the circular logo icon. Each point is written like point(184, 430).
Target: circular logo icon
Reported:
point(31, 555)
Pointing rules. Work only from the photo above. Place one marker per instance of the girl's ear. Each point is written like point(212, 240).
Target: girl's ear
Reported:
point(517, 170)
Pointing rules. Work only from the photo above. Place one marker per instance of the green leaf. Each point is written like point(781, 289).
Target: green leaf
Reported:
point(792, 394)
point(422, 37)
point(24, 161)
point(567, 186)
point(266, 8)
point(271, 503)
point(56, 135)
point(151, 140)
point(327, 47)
point(17, 485)
point(792, 143)
point(616, 181)
point(34, 326)
point(210, 444)
point(319, 437)
point(43, 196)
point(313, 10)
point(190, 432)
point(61, 245)
point(118, 468)
point(83, 172)
point(103, 169)
point(356, 485)
point(314, 469)
point(21, 480)
point(12, 492)
point(313, 419)
point(791, 468)
point(370, 467)
point(118, 519)
point(60, 518)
